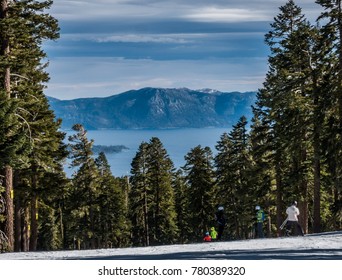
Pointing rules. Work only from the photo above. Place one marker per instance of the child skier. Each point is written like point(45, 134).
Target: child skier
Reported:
point(213, 234)
point(207, 237)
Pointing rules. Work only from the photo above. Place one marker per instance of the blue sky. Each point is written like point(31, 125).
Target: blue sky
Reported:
point(111, 46)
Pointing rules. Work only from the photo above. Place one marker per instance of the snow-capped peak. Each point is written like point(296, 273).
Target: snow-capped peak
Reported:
point(208, 90)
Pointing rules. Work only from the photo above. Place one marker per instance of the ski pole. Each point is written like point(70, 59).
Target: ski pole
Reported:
point(283, 224)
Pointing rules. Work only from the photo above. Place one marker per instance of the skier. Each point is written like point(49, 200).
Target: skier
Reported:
point(207, 237)
point(221, 221)
point(260, 217)
point(213, 233)
point(292, 219)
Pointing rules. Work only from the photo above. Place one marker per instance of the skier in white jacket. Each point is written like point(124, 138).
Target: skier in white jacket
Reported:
point(292, 219)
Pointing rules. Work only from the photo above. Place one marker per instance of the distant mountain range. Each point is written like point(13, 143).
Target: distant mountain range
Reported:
point(156, 108)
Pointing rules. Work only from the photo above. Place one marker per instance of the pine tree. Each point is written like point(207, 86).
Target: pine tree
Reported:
point(182, 201)
point(24, 26)
point(159, 176)
point(199, 174)
point(46, 156)
point(289, 85)
point(234, 165)
point(140, 198)
point(85, 191)
point(261, 152)
point(152, 202)
point(332, 43)
point(262, 170)
point(111, 224)
point(298, 106)
point(6, 89)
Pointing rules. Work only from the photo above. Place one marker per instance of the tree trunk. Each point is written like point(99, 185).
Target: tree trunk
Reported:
point(317, 128)
point(34, 223)
point(304, 216)
point(26, 230)
point(339, 92)
point(147, 232)
point(61, 225)
point(18, 219)
point(17, 227)
point(317, 182)
point(34, 211)
point(338, 179)
point(279, 200)
point(9, 223)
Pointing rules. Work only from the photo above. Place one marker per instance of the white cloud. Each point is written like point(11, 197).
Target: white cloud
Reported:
point(135, 38)
point(216, 14)
point(99, 10)
point(217, 10)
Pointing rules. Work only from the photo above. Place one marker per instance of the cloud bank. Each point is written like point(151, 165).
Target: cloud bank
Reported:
point(110, 46)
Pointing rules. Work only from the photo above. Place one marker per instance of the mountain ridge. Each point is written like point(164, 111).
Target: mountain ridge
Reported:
point(155, 108)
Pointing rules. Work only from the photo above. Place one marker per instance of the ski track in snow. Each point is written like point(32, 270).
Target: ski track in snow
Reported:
point(324, 246)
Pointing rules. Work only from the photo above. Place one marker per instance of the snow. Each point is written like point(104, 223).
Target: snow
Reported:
point(324, 246)
point(314, 256)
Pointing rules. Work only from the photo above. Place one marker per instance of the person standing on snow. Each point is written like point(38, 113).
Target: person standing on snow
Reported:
point(292, 219)
point(207, 237)
point(260, 217)
point(213, 234)
point(221, 221)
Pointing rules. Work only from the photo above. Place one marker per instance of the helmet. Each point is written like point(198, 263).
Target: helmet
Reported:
point(294, 203)
point(220, 208)
point(257, 207)
point(207, 233)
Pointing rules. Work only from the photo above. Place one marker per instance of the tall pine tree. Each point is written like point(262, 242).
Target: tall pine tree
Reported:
point(85, 192)
point(152, 196)
point(332, 42)
point(234, 165)
point(199, 174)
point(24, 26)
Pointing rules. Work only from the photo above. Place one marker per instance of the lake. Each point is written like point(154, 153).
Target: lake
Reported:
point(177, 142)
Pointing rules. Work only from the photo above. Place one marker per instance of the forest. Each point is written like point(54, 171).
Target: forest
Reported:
point(290, 150)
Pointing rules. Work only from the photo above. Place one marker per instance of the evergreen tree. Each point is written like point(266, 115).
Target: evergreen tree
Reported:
point(332, 43)
point(182, 201)
point(45, 160)
point(23, 27)
point(293, 114)
point(200, 179)
point(159, 176)
point(85, 191)
point(6, 90)
point(289, 86)
point(261, 152)
point(234, 165)
point(152, 203)
point(140, 198)
point(111, 224)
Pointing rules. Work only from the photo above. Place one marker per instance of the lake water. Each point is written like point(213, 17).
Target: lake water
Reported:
point(177, 142)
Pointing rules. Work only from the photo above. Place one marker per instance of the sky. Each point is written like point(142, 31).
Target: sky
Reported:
point(108, 47)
